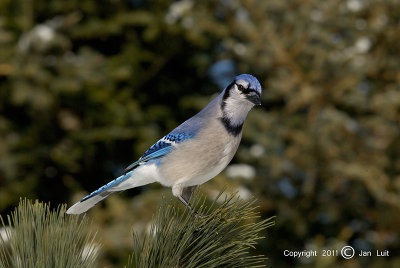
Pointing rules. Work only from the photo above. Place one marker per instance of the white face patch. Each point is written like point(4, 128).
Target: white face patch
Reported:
point(235, 94)
point(242, 82)
point(237, 105)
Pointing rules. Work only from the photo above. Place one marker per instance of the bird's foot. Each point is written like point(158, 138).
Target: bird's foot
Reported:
point(199, 215)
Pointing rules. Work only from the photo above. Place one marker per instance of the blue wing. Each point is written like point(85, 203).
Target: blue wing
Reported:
point(160, 148)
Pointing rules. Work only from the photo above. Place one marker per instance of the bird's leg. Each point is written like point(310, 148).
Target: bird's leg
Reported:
point(187, 192)
point(185, 202)
point(177, 191)
point(184, 194)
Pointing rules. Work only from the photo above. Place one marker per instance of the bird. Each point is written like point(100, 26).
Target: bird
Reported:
point(194, 152)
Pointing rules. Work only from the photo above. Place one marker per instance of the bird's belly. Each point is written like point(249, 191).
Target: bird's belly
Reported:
point(190, 169)
point(208, 174)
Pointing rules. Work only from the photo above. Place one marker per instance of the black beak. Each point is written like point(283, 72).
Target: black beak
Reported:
point(255, 99)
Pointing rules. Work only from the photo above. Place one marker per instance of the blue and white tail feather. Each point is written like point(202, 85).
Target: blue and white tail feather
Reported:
point(92, 199)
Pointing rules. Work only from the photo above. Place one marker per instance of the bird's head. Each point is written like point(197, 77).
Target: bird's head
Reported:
point(239, 97)
point(244, 89)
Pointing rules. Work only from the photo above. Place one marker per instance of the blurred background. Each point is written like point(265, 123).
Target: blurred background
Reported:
point(87, 86)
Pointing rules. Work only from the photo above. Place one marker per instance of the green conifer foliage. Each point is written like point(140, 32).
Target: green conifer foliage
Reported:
point(219, 235)
point(37, 237)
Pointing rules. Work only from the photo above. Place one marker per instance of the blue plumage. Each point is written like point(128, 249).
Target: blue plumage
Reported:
point(165, 142)
point(178, 137)
point(156, 147)
point(160, 148)
point(254, 83)
point(108, 185)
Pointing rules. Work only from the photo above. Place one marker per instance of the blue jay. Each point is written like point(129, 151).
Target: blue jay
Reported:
point(194, 152)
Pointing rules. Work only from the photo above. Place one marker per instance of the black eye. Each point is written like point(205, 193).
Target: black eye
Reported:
point(243, 89)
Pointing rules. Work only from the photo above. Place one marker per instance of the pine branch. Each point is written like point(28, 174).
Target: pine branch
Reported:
point(39, 238)
point(220, 239)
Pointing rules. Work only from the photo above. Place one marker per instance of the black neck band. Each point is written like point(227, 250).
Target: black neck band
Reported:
point(233, 130)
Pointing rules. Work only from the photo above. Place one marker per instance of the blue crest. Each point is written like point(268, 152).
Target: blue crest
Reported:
point(254, 84)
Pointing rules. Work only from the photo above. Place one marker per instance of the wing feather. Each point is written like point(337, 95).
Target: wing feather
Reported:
point(160, 148)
